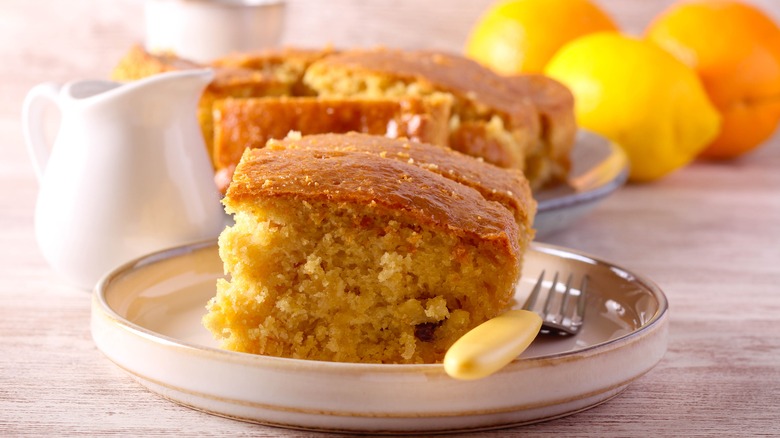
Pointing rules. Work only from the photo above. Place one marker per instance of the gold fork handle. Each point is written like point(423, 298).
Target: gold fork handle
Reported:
point(491, 345)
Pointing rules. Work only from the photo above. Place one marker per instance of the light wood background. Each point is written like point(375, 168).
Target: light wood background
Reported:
point(709, 235)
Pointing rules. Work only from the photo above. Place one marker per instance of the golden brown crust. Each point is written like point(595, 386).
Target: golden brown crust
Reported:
point(240, 82)
point(505, 186)
point(460, 76)
point(270, 59)
point(285, 65)
point(250, 123)
point(393, 187)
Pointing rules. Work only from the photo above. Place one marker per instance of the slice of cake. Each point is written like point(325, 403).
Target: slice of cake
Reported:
point(344, 249)
point(250, 123)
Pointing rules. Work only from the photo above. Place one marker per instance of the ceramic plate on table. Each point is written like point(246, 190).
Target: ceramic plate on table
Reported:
point(599, 167)
point(146, 319)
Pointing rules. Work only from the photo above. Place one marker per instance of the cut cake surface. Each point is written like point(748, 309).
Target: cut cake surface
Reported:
point(250, 123)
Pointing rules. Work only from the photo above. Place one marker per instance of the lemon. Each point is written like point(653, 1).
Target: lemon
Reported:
point(640, 97)
point(516, 36)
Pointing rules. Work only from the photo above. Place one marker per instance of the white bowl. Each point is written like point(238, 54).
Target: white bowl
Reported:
point(146, 318)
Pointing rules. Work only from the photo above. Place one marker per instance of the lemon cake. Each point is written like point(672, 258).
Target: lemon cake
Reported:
point(359, 248)
point(524, 122)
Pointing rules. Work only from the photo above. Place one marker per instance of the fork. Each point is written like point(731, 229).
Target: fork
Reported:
point(564, 321)
point(491, 345)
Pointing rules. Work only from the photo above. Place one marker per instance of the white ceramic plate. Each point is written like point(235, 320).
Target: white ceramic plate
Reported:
point(599, 167)
point(146, 319)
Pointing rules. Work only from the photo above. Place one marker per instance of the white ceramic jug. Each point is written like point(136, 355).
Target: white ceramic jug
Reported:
point(128, 172)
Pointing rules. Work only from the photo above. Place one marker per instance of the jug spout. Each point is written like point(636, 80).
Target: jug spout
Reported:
point(182, 84)
point(171, 90)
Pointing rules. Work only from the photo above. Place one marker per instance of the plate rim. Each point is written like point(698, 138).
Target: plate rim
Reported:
point(401, 405)
point(595, 193)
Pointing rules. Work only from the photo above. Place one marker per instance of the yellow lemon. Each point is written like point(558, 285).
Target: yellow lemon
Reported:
point(516, 36)
point(640, 97)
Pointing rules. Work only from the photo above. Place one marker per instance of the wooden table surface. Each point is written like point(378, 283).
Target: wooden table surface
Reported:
point(709, 235)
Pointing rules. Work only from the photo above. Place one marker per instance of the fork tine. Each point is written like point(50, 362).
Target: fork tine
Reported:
point(565, 300)
point(550, 294)
point(531, 301)
point(581, 299)
point(568, 316)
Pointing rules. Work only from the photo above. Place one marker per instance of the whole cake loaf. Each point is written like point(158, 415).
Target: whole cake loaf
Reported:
point(358, 248)
point(524, 122)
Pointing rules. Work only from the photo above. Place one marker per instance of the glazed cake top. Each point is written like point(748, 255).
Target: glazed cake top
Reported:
point(400, 187)
point(506, 186)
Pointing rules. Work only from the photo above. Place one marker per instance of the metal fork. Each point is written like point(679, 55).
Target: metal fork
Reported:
point(493, 344)
point(563, 315)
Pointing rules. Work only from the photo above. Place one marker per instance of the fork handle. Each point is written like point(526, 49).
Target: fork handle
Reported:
point(491, 345)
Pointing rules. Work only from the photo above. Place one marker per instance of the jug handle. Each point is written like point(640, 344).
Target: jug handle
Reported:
point(32, 123)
